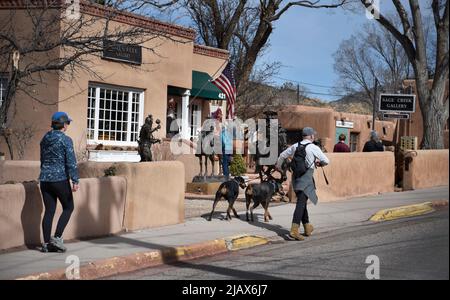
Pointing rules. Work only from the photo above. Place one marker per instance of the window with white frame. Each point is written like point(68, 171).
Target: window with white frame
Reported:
point(3, 86)
point(114, 115)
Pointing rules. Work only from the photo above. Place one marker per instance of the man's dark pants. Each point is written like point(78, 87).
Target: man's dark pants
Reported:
point(301, 211)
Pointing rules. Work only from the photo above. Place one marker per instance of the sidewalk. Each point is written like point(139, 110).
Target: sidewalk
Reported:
point(326, 217)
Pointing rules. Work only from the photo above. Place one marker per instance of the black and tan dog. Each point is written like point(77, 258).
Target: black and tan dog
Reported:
point(262, 193)
point(229, 190)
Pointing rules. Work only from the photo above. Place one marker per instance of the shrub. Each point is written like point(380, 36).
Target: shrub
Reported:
point(238, 167)
point(111, 171)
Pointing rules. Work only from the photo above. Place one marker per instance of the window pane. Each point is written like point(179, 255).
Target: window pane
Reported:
point(113, 115)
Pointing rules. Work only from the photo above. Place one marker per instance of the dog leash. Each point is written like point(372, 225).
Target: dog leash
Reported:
point(325, 176)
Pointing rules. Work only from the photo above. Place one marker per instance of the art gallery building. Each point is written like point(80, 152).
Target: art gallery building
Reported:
point(110, 109)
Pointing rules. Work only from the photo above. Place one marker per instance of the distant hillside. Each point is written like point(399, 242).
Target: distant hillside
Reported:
point(357, 103)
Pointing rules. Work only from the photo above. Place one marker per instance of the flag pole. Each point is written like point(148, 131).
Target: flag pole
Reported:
point(204, 85)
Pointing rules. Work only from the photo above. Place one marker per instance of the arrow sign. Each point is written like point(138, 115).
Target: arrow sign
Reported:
point(396, 116)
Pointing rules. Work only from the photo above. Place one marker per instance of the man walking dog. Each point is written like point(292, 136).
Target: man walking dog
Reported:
point(305, 158)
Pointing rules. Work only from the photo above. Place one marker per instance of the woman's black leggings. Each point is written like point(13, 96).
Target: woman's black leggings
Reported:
point(50, 192)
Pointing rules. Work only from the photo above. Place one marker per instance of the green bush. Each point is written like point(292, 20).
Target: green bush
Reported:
point(111, 171)
point(238, 167)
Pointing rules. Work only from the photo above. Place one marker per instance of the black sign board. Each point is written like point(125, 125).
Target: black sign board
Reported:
point(122, 52)
point(396, 116)
point(398, 103)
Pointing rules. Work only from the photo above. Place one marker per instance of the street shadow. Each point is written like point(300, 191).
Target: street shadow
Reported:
point(278, 229)
point(170, 258)
point(221, 215)
point(237, 274)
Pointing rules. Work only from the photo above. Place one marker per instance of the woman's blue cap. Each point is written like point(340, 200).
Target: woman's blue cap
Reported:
point(61, 117)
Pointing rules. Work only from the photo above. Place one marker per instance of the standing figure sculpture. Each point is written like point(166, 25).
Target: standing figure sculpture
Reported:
point(146, 139)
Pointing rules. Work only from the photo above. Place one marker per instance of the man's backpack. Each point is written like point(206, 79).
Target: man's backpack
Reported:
point(298, 164)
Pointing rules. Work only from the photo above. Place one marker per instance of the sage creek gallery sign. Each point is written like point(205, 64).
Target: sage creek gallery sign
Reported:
point(131, 54)
point(397, 103)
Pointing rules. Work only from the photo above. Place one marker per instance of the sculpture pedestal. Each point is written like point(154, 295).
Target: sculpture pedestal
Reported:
point(204, 185)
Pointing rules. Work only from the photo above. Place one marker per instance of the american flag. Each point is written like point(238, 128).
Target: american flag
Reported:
point(225, 82)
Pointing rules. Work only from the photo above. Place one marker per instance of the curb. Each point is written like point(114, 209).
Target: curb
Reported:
point(407, 211)
point(142, 260)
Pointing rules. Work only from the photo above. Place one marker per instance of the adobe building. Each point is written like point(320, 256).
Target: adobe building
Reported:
point(109, 110)
point(329, 124)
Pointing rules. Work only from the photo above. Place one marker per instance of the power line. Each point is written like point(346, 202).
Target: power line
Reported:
point(305, 83)
point(325, 94)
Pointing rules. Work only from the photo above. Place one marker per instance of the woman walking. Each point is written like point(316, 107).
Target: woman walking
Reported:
point(58, 167)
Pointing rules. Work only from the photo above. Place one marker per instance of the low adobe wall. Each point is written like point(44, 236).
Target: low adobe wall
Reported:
point(425, 169)
point(19, 171)
point(99, 211)
point(155, 191)
point(354, 174)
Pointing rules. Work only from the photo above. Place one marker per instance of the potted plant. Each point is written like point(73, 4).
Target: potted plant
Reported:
point(2, 156)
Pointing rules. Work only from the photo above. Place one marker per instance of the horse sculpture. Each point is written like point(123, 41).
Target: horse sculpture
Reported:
point(211, 157)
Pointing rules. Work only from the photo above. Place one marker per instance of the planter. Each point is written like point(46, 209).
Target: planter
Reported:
point(113, 156)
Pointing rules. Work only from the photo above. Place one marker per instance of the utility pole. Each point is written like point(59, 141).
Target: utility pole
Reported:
point(375, 98)
point(298, 93)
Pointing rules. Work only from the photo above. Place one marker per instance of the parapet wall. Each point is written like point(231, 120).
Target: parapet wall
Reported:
point(155, 191)
point(99, 211)
point(355, 174)
point(425, 169)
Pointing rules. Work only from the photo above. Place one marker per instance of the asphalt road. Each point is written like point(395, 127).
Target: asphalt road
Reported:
point(413, 248)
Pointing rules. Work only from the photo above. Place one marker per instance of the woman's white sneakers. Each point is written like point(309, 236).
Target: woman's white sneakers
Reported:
point(57, 243)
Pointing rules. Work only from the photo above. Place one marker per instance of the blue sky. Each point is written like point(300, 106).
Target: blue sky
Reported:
point(304, 41)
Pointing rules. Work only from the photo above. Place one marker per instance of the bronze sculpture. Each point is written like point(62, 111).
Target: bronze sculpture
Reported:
point(146, 139)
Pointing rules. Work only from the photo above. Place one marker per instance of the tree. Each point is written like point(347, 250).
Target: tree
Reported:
point(373, 54)
point(412, 36)
point(243, 27)
point(57, 27)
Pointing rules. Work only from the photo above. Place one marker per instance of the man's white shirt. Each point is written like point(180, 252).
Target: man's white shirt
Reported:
point(313, 152)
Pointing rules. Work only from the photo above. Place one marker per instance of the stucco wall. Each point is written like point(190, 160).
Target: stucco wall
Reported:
point(99, 211)
point(155, 191)
point(19, 171)
point(426, 168)
point(354, 174)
